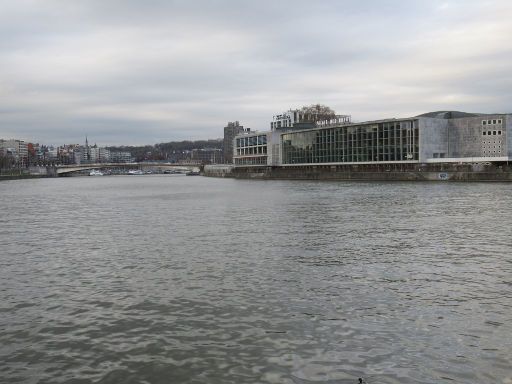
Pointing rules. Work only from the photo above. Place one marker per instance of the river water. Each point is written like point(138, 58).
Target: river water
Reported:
point(173, 279)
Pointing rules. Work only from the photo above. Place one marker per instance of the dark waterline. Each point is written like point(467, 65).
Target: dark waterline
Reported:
point(172, 279)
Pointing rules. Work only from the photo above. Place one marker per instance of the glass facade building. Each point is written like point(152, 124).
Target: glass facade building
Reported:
point(434, 137)
point(251, 150)
point(388, 141)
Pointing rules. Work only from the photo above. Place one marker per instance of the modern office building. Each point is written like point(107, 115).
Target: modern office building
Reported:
point(251, 148)
point(436, 137)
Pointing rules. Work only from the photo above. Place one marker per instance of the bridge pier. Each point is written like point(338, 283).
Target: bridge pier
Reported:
point(51, 171)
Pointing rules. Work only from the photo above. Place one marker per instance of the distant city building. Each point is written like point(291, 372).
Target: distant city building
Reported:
point(52, 153)
point(434, 137)
point(207, 155)
point(93, 154)
point(17, 149)
point(67, 152)
point(78, 155)
point(121, 157)
point(179, 156)
point(104, 155)
point(230, 131)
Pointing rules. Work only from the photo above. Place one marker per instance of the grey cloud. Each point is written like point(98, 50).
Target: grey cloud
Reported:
point(128, 72)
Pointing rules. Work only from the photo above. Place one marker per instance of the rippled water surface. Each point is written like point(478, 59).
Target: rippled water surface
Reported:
point(172, 279)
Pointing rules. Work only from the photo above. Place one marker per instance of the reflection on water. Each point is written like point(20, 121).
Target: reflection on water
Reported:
point(195, 280)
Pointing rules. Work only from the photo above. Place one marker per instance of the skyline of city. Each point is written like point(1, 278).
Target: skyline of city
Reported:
point(140, 74)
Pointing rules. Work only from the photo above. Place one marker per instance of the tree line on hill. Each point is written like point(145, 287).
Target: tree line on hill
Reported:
point(171, 151)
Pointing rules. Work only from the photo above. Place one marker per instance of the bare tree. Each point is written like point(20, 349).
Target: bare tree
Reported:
point(316, 112)
point(6, 162)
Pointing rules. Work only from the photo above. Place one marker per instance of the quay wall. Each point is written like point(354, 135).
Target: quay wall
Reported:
point(218, 170)
point(412, 172)
point(22, 176)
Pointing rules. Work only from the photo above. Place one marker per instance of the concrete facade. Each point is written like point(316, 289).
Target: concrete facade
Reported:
point(508, 125)
point(433, 138)
point(465, 138)
point(230, 131)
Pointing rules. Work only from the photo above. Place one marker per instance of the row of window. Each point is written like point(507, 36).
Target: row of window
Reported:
point(251, 141)
point(251, 151)
point(364, 137)
point(281, 124)
point(492, 133)
point(491, 142)
point(491, 153)
point(355, 157)
point(397, 141)
point(492, 147)
point(492, 121)
point(260, 160)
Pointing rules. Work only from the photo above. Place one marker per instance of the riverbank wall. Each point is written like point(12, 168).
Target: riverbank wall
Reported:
point(381, 172)
point(23, 176)
point(33, 172)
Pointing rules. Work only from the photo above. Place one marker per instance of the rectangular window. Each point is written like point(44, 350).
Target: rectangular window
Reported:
point(494, 121)
point(499, 132)
point(494, 133)
point(484, 122)
point(485, 133)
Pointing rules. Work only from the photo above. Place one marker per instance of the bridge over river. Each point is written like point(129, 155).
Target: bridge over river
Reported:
point(63, 170)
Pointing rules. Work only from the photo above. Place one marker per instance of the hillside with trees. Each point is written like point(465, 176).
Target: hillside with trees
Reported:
point(171, 151)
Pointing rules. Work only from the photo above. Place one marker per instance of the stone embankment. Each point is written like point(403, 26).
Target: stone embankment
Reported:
point(381, 172)
point(22, 176)
point(34, 172)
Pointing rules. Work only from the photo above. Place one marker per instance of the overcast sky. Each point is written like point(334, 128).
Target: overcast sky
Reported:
point(143, 72)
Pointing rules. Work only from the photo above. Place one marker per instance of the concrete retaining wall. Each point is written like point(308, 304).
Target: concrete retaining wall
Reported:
point(467, 172)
